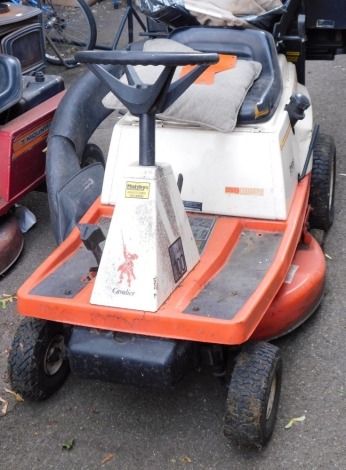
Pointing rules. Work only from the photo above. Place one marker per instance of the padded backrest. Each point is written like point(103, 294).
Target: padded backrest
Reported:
point(263, 97)
point(10, 81)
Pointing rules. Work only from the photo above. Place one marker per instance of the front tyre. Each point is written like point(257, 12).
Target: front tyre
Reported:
point(38, 363)
point(253, 395)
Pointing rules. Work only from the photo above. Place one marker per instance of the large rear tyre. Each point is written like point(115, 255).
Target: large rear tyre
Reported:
point(92, 154)
point(38, 363)
point(69, 26)
point(323, 183)
point(253, 396)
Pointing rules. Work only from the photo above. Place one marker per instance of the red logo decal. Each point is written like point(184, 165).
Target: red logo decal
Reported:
point(126, 268)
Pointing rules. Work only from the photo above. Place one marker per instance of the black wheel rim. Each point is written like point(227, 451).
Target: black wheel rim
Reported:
point(55, 355)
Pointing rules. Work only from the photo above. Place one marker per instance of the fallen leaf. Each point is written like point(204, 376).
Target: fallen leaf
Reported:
point(68, 445)
point(294, 420)
point(16, 395)
point(107, 459)
point(7, 298)
point(5, 406)
point(185, 459)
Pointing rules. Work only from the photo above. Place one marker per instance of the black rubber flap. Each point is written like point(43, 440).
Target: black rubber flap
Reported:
point(77, 195)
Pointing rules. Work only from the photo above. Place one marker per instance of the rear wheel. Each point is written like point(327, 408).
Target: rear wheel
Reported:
point(69, 26)
point(253, 396)
point(323, 183)
point(38, 363)
point(92, 154)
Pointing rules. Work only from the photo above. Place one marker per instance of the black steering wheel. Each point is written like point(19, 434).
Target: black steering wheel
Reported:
point(171, 59)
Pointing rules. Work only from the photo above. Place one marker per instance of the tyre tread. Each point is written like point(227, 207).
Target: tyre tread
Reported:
point(250, 377)
point(23, 361)
point(323, 169)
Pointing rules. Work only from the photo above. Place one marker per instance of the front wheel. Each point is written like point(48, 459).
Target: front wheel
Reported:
point(253, 396)
point(69, 26)
point(37, 362)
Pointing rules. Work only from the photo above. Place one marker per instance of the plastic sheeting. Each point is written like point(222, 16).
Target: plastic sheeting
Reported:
point(211, 12)
point(235, 7)
point(149, 7)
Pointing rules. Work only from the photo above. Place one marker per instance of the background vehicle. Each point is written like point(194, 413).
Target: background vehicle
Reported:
point(68, 27)
point(28, 100)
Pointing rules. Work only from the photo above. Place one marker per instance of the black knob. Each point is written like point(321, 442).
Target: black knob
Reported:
point(39, 76)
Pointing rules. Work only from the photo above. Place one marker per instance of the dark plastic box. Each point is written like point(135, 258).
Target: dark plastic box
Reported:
point(130, 359)
point(326, 14)
point(35, 92)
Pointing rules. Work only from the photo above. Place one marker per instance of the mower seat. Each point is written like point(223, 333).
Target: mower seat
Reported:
point(247, 44)
point(10, 80)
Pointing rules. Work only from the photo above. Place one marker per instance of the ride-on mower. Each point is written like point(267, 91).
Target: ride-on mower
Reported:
point(200, 239)
point(28, 100)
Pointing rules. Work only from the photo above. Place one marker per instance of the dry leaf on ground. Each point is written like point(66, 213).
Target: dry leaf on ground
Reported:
point(4, 408)
point(107, 459)
point(294, 420)
point(16, 395)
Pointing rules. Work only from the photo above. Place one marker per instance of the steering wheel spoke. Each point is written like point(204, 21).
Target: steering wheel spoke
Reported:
point(139, 97)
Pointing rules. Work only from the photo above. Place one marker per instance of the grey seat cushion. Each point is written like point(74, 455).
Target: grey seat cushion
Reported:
point(213, 106)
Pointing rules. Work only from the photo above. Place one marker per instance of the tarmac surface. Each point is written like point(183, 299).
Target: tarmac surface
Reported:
point(125, 428)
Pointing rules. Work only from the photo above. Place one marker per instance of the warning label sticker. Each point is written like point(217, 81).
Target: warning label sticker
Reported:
point(137, 190)
point(201, 228)
point(178, 262)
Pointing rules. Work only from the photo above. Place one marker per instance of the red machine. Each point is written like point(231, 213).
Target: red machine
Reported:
point(28, 100)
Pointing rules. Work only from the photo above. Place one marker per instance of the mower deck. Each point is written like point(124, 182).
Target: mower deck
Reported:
point(11, 241)
point(244, 263)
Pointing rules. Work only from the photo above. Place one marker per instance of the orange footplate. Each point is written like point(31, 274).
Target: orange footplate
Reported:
point(223, 299)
